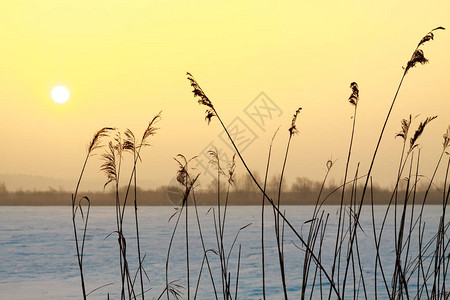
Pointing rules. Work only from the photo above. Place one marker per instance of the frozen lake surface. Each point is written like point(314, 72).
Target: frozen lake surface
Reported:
point(38, 260)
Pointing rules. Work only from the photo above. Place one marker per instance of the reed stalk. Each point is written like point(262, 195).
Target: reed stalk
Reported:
point(93, 145)
point(416, 57)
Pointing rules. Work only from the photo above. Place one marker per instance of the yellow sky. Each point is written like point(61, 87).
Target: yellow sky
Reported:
point(124, 61)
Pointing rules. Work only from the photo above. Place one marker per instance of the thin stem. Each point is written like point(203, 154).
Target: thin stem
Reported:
point(203, 244)
point(330, 280)
point(373, 161)
point(80, 258)
point(277, 224)
point(342, 198)
point(137, 228)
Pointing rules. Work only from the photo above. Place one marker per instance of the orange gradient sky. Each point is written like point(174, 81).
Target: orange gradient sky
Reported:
point(124, 61)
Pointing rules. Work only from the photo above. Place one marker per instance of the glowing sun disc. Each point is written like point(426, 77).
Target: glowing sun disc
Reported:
point(60, 94)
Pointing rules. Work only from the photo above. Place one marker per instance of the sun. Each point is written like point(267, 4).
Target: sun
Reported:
point(60, 94)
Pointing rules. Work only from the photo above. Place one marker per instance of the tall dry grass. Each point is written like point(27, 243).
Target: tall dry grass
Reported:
point(427, 261)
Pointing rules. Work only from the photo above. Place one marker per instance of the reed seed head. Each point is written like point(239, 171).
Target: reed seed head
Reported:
point(418, 56)
point(183, 175)
point(446, 136)
point(293, 129)
point(95, 142)
point(109, 165)
point(215, 160)
point(231, 170)
point(129, 143)
point(202, 98)
point(413, 141)
point(429, 36)
point(151, 129)
point(405, 123)
point(354, 97)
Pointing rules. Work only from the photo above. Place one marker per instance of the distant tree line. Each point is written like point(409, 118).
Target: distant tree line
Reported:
point(243, 191)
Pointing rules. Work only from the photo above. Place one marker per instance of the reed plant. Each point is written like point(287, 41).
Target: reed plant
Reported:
point(416, 58)
point(188, 182)
point(111, 165)
point(77, 204)
point(212, 112)
point(420, 262)
point(355, 207)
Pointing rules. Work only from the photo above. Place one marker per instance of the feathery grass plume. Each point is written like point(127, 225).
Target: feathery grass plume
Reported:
point(293, 129)
point(418, 56)
point(429, 36)
point(215, 161)
point(231, 170)
point(446, 136)
point(354, 97)
point(151, 129)
point(406, 123)
point(203, 100)
point(182, 173)
point(109, 164)
point(129, 143)
point(95, 143)
point(419, 131)
point(183, 176)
